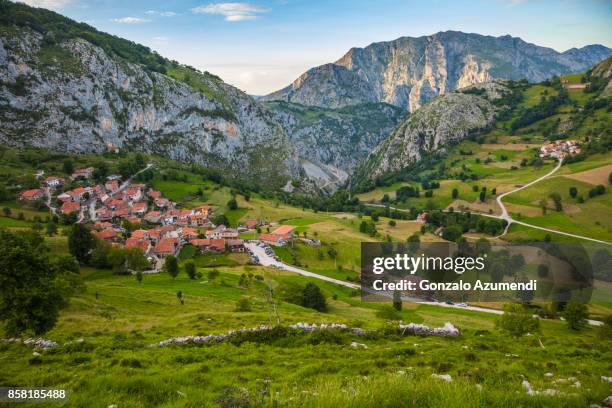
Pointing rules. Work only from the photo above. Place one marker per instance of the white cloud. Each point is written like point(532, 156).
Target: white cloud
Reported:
point(161, 13)
point(48, 4)
point(232, 11)
point(160, 40)
point(130, 20)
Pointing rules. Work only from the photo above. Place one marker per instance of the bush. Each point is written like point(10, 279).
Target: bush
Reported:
point(388, 313)
point(314, 298)
point(517, 320)
point(243, 305)
point(575, 314)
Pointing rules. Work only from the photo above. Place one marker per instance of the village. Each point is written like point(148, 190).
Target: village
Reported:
point(560, 148)
point(132, 215)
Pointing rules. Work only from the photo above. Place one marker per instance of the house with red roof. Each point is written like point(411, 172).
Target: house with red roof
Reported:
point(154, 194)
point(32, 195)
point(272, 239)
point(235, 245)
point(251, 224)
point(139, 208)
point(166, 246)
point(107, 234)
point(70, 206)
point(143, 244)
point(153, 217)
point(85, 172)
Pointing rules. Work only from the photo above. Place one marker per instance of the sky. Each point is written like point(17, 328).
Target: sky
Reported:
point(263, 45)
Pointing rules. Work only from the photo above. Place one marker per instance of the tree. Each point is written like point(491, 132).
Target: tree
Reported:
point(314, 298)
point(171, 266)
point(332, 254)
point(68, 166)
point(392, 223)
point(573, 192)
point(543, 205)
point(517, 320)
point(542, 271)
point(414, 242)
point(483, 196)
point(136, 259)
point(180, 297)
point(30, 293)
point(220, 219)
point(51, 228)
point(452, 233)
point(455, 193)
point(6, 211)
point(232, 204)
point(556, 197)
point(190, 269)
point(575, 314)
point(213, 275)
point(139, 277)
point(397, 300)
point(81, 242)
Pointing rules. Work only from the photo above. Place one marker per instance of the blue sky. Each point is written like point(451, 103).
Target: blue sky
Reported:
point(261, 46)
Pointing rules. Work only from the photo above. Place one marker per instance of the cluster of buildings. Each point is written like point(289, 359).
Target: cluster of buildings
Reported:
point(560, 148)
point(163, 229)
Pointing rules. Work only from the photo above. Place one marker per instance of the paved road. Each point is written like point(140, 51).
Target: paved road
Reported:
point(267, 260)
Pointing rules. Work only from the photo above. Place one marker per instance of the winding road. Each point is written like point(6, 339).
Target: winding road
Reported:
point(506, 216)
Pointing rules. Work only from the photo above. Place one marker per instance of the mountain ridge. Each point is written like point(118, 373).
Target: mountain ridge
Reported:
point(409, 71)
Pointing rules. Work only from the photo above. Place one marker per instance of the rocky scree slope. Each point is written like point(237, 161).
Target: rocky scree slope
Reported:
point(76, 97)
point(445, 120)
point(407, 72)
point(330, 142)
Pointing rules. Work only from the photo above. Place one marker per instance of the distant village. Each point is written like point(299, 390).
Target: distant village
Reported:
point(560, 148)
point(156, 225)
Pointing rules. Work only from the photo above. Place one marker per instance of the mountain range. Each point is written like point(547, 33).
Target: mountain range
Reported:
point(408, 72)
point(67, 86)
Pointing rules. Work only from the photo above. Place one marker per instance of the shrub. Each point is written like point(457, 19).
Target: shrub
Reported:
point(517, 320)
point(243, 305)
point(314, 298)
point(388, 313)
point(575, 314)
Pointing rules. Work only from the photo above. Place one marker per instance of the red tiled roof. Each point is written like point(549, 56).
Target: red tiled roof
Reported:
point(32, 193)
point(165, 246)
point(283, 230)
point(107, 234)
point(270, 237)
point(140, 234)
point(70, 206)
point(199, 242)
point(143, 244)
point(218, 244)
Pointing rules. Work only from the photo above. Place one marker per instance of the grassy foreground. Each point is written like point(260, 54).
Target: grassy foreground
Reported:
point(119, 319)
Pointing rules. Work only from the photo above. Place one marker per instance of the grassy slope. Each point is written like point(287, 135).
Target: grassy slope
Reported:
point(118, 318)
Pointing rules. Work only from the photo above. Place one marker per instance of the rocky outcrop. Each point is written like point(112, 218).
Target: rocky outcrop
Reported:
point(330, 142)
point(408, 72)
point(445, 120)
point(73, 96)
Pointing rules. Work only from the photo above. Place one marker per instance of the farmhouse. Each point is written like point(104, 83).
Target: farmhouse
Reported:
point(32, 195)
point(235, 245)
point(84, 173)
point(53, 181)
point(271, 239)
point(166, 246)
point(222, 232)
point(70, 206)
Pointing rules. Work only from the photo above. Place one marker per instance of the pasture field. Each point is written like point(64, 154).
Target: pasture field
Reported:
point(119, 320)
